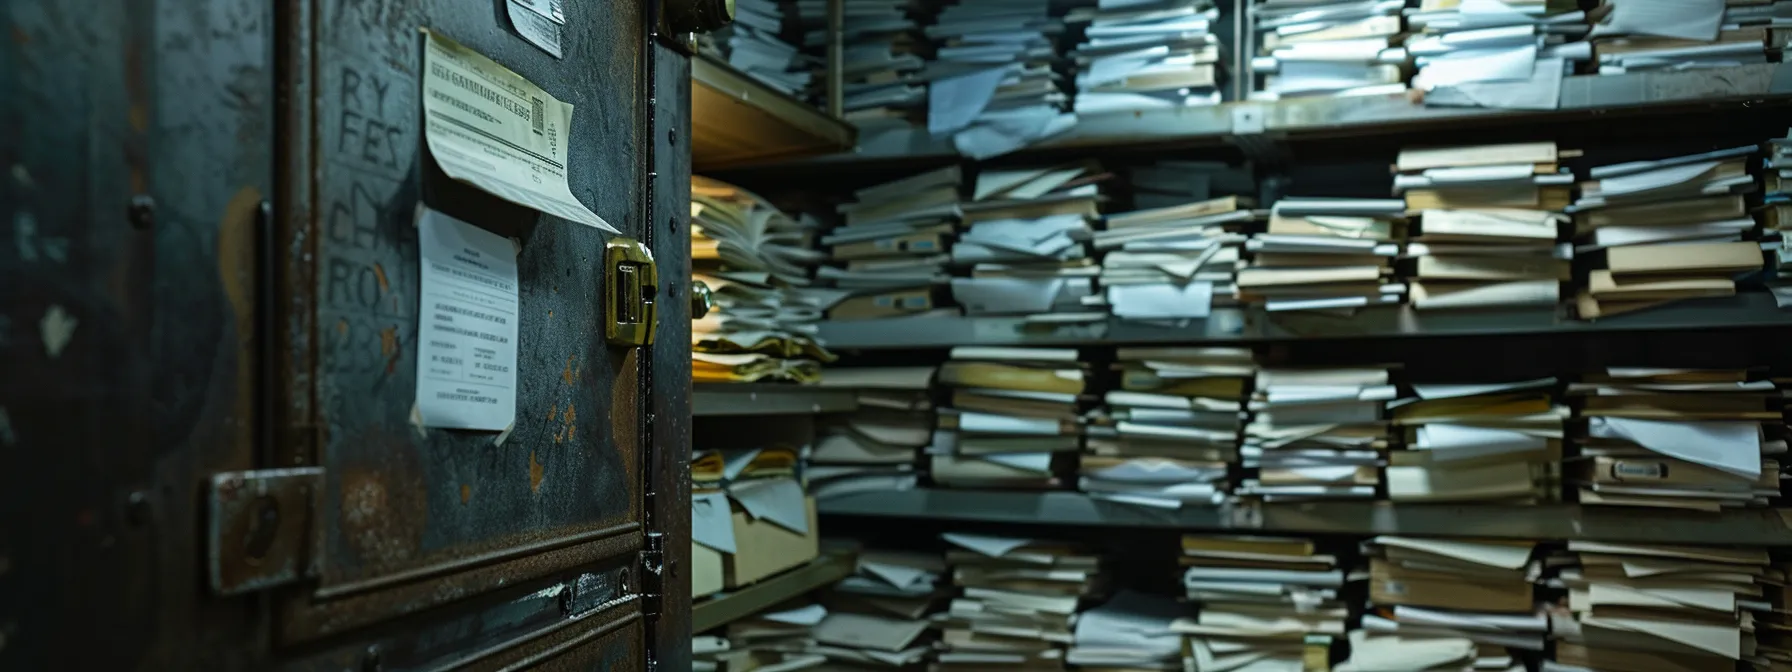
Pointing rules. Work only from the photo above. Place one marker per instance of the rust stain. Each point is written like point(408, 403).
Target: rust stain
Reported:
point(236, 275)
point(625, 420)
point(566, 375)
point(382, 508)
point(379, 273)
point(534, 473)
point(389, 347)
point(342, 326)
point(466, 493)
point(554, 411)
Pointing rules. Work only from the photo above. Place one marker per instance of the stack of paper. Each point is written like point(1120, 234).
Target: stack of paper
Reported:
point(884, 55)
point(1316, 434)
point(1679, 438)
point(773, 640)
point(880, 617)
point(1025, 243)
point(1147, 55)
point(1327, 48)
point(1636, 35)
point(1015, 419)
point(1776, 200)
point(1478, 442)
point(1174, 263)
point(876, 448)
point(1488, 223)
point(1450, 605)
point(1266, 603)
point(1326, 254)
point(1646, 607)
point(1019, 600)
point(994, 85)
point(1457, 42)
point(1170, 433)
point(752, 44)
point(892, 246)
point(1671, 229)
point(1131, 632)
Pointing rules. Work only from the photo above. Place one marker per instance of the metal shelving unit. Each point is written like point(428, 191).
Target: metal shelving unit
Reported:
point(737, 120)
point(724, 399)
point(725, 608)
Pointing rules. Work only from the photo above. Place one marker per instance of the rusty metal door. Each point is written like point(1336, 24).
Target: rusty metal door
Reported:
point(209, 321)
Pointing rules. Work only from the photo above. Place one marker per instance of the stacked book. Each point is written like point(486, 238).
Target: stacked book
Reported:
point(1015, 418)
point(752, 44)
point(1487, 226)
point(1025, 243)
point(994, 84)
point(756, 261)
point(1327, 48)
point(1457, 43)
point(1497, 442)
point(1173, 263)
point(1140, 56)
point(1130, 633)
point(1650, 607)
point(1316, 434)
point(1776, 200)
point(880, 617)
point(1671, 229)
point(1170, 433)
point(1326, 254)
point(778, 639)
point(1266, 603)
point(1018, 603)
point(883, 58)
point(892, 246)
point(875, 448)
point(1440, 604)
point(1633, 35)
point(1700, 439)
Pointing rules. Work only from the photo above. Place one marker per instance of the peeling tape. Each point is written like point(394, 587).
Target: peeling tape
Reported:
point(417, 421)
point(498, 441)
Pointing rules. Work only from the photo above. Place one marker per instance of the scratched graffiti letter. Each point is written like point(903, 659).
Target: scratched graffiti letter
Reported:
point(466, 355)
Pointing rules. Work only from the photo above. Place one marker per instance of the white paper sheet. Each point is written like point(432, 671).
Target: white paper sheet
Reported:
point(1684, 19)
point(1464, 442)
point(1730, 447)
point(994, 547)
point(809, 615)
point(1435, 391)
point(896, 575)
point(467, 333)
point(990, 423)
point(954, 102)
point(1158, 471)
point(712, 523)
point(1035, 462)
point(997, 134)
point(1480, 65)
point(1165, 301)
point(1541, 91)
point(779, 500)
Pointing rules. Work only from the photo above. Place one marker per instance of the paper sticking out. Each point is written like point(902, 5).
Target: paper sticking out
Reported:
point(1782, 295)
point(712, 523)
point(1429, 391)
point(1164, 301)
point(467, 333)
point(535, 28)
point(1035, 462)
point(779, 500)
point(1684, 19)
point(806, 616)
point(896, 575)
point(1730, 447)
point(1542, 91)
point(1493, 555)
point(489, 127)
point(735, 462)
point(994, 547)
point(954, 102)
point(1000, 133)
point(972, 422)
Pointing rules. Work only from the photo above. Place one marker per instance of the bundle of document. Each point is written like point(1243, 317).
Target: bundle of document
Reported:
point(1641, 35)
point(892, 246)
point(778, 639)
point(1499, 442)
point(1266, 603)
point(1463, 42)
point(1174, 263)
point(1018, 601)
point(881, 617)
point(1334, 254)
point(1169, 435)
point(1141, 56)
point(1015, 419)
point(1650, 607)
point(884, 55)
point(1701, 439)
point(756, 261)
point(994, 82)
point(1130, 632)
point(1776, 199)
point(1316, 433)
point(875, 448)
point(1671, 229)
point(752, 44)
point(1439, 604)
point(751, 367)
point(1488, 224)
point(1328, 48)
point(1025, 243)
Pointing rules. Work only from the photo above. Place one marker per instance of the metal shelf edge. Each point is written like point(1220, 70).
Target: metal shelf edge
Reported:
point(729, 607)
point(727, 399)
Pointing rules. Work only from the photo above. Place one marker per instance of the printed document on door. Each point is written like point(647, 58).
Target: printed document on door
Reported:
point(489, 127)
point(466, 355)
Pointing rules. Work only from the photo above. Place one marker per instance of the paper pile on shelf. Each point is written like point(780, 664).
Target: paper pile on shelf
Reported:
point(1266, 603)
point(1671, 229)
point(1316, 433)
point(875, 448)
point(1701, 439)
point(881, 617)
point(993, 85)
point(1533, 43)
point(752, 44)
point(1440, 604)
point(1495, 442)
point(1651, 607)
point(773, 640)
point(892, 246)
point(883, 58)
point(1776, 211)
point(1170, 433)
point(1487, 227)
point(1332, 254)
point(1019, 601)
point(1130, 632)
point(756, 261)
point(1015, 419)
point(1141, 56)
point(1174, 263)
point(1642, 35)
point(1318, 48)
point(1025, 244)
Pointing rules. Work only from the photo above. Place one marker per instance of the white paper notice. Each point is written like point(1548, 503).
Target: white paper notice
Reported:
point(489, 127)
point(466, 357)
point(537, 28)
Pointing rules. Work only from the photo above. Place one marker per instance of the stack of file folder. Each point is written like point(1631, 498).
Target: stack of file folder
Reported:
point(1025, 243)
point(1130, 632)
point(756, 261)
point(1495, 442)
point(1700, 439)
point(1018, 602)
point(1488, 224)
point(1174, 263)
point(1328, 48)
point(884, 55)
point(1266, 603)
point(1670, 229)
point(1460, 43)
point(995, 82)
point(1644, 35)
point(777, 639)
point(1169, 435)
point(1316, 434)
point(1332, 254)
point(877, 447)
point(892, 246)
point(881, 617)
point(1015, 418)
point(1147, 55)
point(753, 45)
point(1651, 607)
point(1439, 604)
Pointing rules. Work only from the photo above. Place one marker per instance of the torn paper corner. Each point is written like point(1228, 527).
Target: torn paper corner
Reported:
point(498, 441)
point(417, 421)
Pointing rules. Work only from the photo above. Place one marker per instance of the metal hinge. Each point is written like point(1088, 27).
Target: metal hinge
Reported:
point(259, 531)
point(653, 558)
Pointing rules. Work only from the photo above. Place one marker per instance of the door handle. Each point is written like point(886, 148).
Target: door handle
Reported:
point(631, 282)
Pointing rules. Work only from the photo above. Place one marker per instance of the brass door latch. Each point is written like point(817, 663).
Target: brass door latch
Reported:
point(631, 282)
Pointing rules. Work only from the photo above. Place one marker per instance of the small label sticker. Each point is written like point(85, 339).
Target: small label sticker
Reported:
point(1649, 470)
point(536, 29)
point(467, 330)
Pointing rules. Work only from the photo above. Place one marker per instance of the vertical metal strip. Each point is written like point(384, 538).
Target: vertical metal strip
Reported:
point(837, 58)
point(652, 575)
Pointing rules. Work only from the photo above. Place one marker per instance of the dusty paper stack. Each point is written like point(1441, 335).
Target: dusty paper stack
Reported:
point(1025, 243)
point(771, 641)
point(881, 616)
point(1316, 434)
point(1671, 229)
point(994, 85)
point(1459, 43)
point(1174, 263)
point(1266, 603)
point(1487, 228)
point(1439, 604)
point(1141, 56)
point(1647, 607)
point(875, 448)
point(1700, 439)
point(1493, 442)
point(1130, 632)
point(1320, 48)
point(1326, 254)
point(1019, 601)
point(892, 245)
point(884, 55)
point(1170, 433)
point(753, 45)
point(756, 261)
point(1015, 419)
point(1642, 35)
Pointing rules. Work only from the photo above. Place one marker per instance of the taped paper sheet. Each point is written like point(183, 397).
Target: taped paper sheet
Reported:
point(466, 336)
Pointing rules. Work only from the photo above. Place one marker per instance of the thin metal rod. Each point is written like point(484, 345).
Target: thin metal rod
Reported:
point(836, 58)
